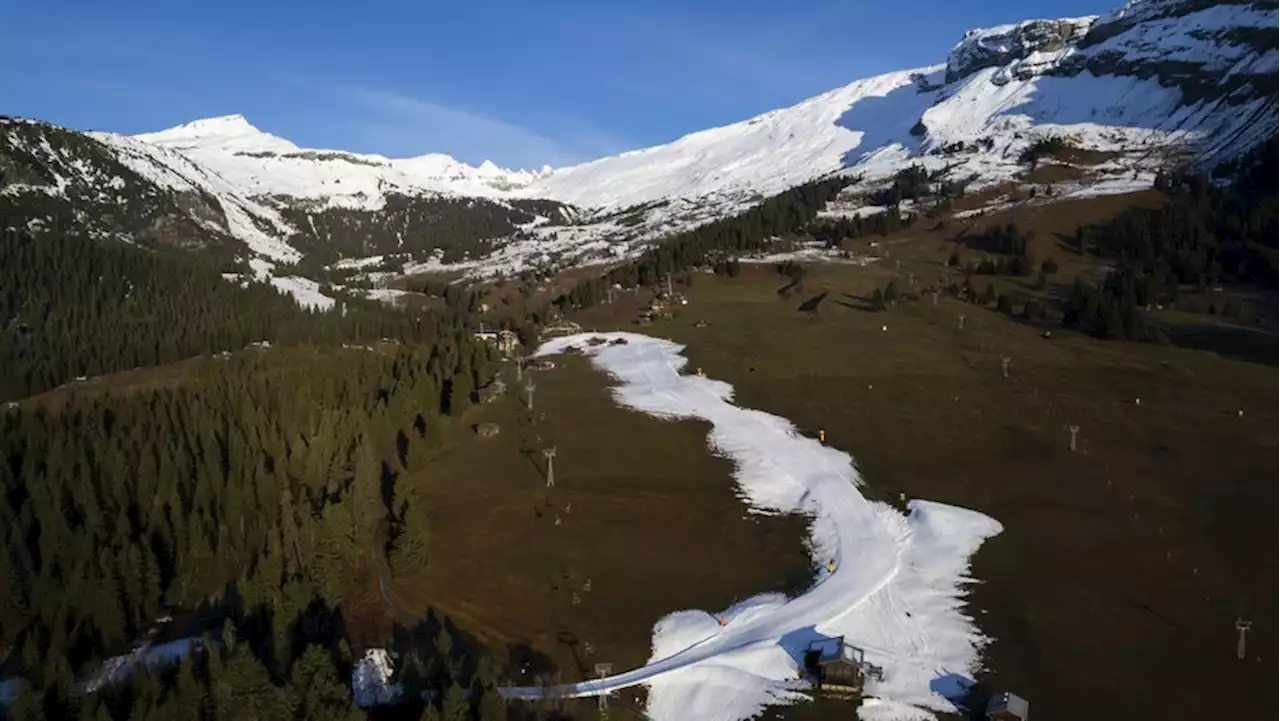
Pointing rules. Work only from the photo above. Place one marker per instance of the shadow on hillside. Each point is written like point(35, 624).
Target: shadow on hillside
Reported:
point(884, 121)
point(811, 305)
point(1246, 344)
point(887, 120)
point(855, 302)
point(1109, 100)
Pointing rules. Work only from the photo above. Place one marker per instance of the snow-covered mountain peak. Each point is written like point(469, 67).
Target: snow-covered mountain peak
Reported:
point(225, 134)
point(1151, 82)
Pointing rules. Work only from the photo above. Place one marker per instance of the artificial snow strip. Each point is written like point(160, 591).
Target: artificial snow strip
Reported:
point(896, 588)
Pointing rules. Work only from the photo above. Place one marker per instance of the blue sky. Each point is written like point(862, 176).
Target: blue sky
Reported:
point(521, 83)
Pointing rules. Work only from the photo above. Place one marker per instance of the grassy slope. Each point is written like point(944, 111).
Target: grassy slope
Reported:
point(1123, 567)
point(653, 523)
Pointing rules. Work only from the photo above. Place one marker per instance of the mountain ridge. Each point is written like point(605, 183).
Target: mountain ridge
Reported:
point(1150, 83)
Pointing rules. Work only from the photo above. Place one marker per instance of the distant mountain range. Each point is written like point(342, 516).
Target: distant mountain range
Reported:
point(1153, 82)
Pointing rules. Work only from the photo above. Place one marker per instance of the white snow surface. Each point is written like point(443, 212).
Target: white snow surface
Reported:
point(305, 291)
point(120, 668)
point(1195, 37)
point(371, 683)
point(262, 164)
point(974, 125)
point(897, 591)
point(175, 171)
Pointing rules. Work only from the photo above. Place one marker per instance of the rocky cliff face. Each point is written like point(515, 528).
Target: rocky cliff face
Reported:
point(1209, 50)
point(1026, 46)
point(57, 180)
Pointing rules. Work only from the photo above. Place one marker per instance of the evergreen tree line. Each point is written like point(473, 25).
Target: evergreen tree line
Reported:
point(1042, 148)
point(914, 182)
point(834, 231)
point(787, 213)
point(224, 677)
point(1006, 240)
point(72, 307)
point(908, 184)
point(455, 227)
point(1205, 234)
point(259, 489)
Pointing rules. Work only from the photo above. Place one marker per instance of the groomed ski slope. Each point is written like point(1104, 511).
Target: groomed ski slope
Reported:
point(897, 590)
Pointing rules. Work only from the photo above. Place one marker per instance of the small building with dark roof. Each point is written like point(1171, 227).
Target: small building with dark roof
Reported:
point(1006, 706)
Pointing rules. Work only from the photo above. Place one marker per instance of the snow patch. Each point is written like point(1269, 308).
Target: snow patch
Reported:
point(371, 683)
point(305, 291)
point(120, 668)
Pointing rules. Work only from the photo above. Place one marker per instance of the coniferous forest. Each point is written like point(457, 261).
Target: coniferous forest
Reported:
point(786, 213)
point(72, 307)
point(245, 502)
point(1205, 234)
point(254, 494)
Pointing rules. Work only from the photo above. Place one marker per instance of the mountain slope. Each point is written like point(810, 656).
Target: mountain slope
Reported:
point(262, 164)
point(1153, 74)
point(1152, 83)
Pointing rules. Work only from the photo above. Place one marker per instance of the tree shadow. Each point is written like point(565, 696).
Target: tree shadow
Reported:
point(855, 302)
point(1066, 242)
point(387, 477)
point(811, 305)
point(526, 666)
point(792, 288)
point(532, 454)
point(1246, 344)
point(423, 640)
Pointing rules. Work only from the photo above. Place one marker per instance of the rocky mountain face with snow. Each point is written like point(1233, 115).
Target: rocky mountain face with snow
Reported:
point(1153, 82)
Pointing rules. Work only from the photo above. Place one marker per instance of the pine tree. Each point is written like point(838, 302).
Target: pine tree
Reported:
point(431, 713)
point(444, 647)
point(242, 689)
point(492, 706)
point(460, 389)
point(456, 706)
point(317, 691)
point(27, 704)
point(989, 295)
point(365, 494)
point(409, 550)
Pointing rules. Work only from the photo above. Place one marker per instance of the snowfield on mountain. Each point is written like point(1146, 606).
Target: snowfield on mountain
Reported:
point(1155, 81)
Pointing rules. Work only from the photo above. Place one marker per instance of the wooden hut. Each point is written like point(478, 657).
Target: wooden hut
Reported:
point(837, 667)
point(486, 430)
